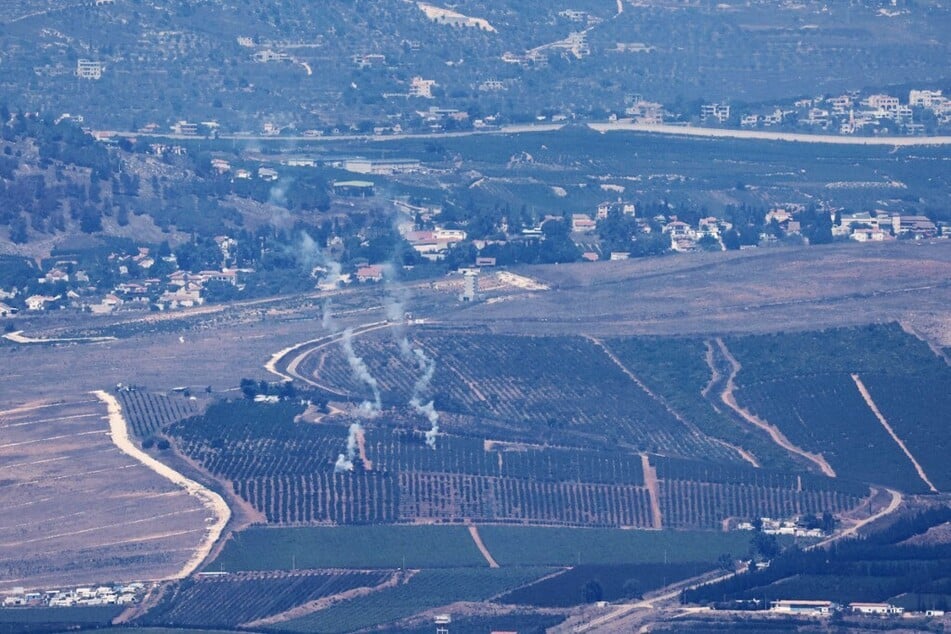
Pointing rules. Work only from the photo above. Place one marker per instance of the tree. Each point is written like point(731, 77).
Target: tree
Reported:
point(592, 591)
point(90, 221)
point(708, 243)
point(725, 562)
point(731, 240)
point(766, 546)
point(633, 588)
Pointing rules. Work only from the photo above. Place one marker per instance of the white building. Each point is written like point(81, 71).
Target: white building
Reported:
point(419, 87)
point(88, 69)
point(876, 609)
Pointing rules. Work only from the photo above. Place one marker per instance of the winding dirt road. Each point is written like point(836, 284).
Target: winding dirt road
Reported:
point(778, 437)
point(209, 499)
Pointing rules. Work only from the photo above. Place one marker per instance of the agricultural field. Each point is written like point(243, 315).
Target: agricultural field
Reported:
point(259, 548)
point(917, 406)
point(613, 583)
point(43, 620)
point(233, 600)
point(79, 511)
point(522, 622)
point(705, 495)
point(147, 412)
point(286, 470)
point(566, 390)
point(539, 546)
point(803, 384)
point(421, 591)
point(827, 415)
point(685, 372)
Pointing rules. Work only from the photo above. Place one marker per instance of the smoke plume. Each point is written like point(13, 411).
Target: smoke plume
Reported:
point(326, 317)
point(362, 373)
point(310, 256)
point(427, 368)
point(345, 461)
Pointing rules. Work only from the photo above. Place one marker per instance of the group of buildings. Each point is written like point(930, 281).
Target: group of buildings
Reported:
point(827, 608)
point(853, 113)
point(137, 289)
point(117, 594)
point(850, 113)
point(879, 226)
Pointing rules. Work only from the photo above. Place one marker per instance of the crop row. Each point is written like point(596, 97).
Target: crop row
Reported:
point(425, 590)
point(486, 499)
point(917, 406)
point(341, 498)
point(148, 412)
point(718, 472)
point(706, 505)
point(826, 414)
point(456, 454)
point(231, 600)
point(558, 386)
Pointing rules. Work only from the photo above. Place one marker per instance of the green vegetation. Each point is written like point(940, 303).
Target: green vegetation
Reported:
point(873, 349)
point(522, 622)
point(582, 584)
point(531, 546)
point(917, 406)
point(350, 547)
point(676, 370)
point(45, 620)
point(424, 590)
point(827, 415)
point(877, 568)
point(801, 382)
point(235, 599)
point(561, 390)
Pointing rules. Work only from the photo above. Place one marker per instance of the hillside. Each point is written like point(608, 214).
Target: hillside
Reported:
point(334, 64)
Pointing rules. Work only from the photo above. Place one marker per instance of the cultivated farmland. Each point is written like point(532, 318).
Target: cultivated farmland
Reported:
point(566, 389)
point(231, 600)
point(537, 546)
point(259, 548)
point(802, 383)
point(918, 407)
point(421, 591)
point(147, 412)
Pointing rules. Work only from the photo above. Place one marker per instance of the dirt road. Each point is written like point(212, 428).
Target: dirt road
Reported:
point(891, 432)
point(653, 490)
point(778, 437)
point(209, 499)
point(474, 532)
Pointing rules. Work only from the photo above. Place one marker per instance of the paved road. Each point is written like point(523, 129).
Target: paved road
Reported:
point(618, 126)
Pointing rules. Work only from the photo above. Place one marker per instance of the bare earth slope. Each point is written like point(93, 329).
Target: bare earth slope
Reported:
point(762, 290)
point(79, 511)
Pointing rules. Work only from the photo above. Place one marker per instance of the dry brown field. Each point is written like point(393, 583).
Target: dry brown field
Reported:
point(78, 511)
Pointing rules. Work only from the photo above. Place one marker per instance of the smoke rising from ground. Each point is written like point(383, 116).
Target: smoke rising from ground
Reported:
point(427, 368)
point(310, 256)
point(362, 373)
point(345, 461)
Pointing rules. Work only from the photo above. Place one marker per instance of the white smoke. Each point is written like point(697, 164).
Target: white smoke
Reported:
point(278, 194)
point(343, 464)
point(326, 317)
point(362, 373)
point(311, 257)
point(427, 367)
point(345, 461)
